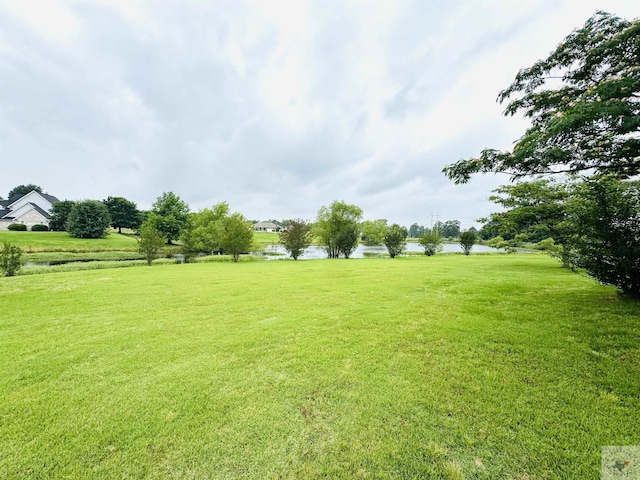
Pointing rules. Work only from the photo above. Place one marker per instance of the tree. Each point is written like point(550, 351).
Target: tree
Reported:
point(10, 259)
point(60, 214)
point(416, 231)
point(603, 232)
point(88, 219)
point(467, 241)
point(589, 123)
point(431, 241)
point(204, 230)
point(449, 229)
point(124, 213)
point(23, 190)
point(169, 215)
point(338, 228)
point(295, 237)
point(395, 239)
point(373, 231)
point(238, 235)
point(534, 210)
point(150, 242)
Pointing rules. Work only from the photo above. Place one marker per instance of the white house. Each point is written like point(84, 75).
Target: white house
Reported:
point(265, 227)
point(30, 209)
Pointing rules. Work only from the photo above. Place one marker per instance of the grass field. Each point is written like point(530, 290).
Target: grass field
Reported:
point(61, 241)
point(452, 367)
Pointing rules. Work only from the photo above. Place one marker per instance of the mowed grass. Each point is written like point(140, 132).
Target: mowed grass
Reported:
point(62, 241)
point(485, 367)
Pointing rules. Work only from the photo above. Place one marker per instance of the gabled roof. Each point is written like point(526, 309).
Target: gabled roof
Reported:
point(4, 212)
point(40, 210)
point(14, 198)
point(265, 225)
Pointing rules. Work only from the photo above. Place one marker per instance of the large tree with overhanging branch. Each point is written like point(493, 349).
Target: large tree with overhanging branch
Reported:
point(584, 105)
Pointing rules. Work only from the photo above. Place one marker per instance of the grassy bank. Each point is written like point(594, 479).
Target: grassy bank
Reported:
point(61, 241)
point(489, 367)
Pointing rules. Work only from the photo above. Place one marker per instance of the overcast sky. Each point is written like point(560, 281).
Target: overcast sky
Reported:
point(277, 108)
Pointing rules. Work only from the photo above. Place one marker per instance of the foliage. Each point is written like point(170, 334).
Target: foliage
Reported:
point(39, 228)
point(23, 190)
point(416, 231)
point(589, 122)
point(169, 215)
point(295, 237)
point(238, 235)
point(533, 210)
point(204, 230)
point(395, 239)
point(432, 242)
point(124, 213)
point(10, 259)
point(448, 229)
point(337, 228)
point(467, 241)
point(88, 219)
point(150, 242)
point(60, 215)
point(373, 232)
point(17, 227)
point(603, 232)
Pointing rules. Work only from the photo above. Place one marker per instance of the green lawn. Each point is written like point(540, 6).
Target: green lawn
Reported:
point(484, 367)
point(61, 241)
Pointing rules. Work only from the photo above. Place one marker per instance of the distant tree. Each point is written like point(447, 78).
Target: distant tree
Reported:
point(23, 190)
point(603, 232)
point(124, 213)
point(489, 229)
point(150, 242)
point(416, 231)
point(431, 242)
point(395, 239)
point(467, 241)
point(88, 219)
point(295, 237)
point(204, 230)
point(10, 259)
point(238, 235)
point(449, 229)
point(60, 214)
point(338, 227)
point(373, 231)
point(169, 215)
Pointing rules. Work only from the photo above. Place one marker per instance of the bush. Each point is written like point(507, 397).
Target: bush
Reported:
point(88, 219)
point(39, 228)
point(10, 259)
point(431, 242)
point(17, 227)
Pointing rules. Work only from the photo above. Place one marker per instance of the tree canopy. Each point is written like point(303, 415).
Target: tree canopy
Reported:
point(23, 190)
point(237, 237)
point(395, 239)
point(88, 219)
point(589, 123)
point(338, 228)
point(169, 215)
point(124, 213)
point(60, 214)
point(295, 237)
point(204, 230)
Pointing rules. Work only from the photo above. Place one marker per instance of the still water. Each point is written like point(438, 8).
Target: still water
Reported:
point(274, 252)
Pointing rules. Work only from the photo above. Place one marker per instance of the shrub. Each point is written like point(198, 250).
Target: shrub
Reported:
point(10, 259)
point(39, 228)
point(431, 242)
point(17, 227)
point(467, 241)
point(88, 219)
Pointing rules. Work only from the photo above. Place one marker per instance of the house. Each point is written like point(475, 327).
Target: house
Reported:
point(265, 227)
point(30, 209)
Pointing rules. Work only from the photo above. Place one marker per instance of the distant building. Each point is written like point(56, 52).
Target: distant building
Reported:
point(265, 227)
point(30, 209)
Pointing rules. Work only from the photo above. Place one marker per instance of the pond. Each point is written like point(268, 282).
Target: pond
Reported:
point(274, 252)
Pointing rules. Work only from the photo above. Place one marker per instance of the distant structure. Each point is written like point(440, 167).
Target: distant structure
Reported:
point(265, 227)
point(29, 209)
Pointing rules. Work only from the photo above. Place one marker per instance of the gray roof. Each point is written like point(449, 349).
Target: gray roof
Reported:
point(41, 211)
point(14, 198)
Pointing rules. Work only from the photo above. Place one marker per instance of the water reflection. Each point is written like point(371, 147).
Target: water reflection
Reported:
point(274, 252)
